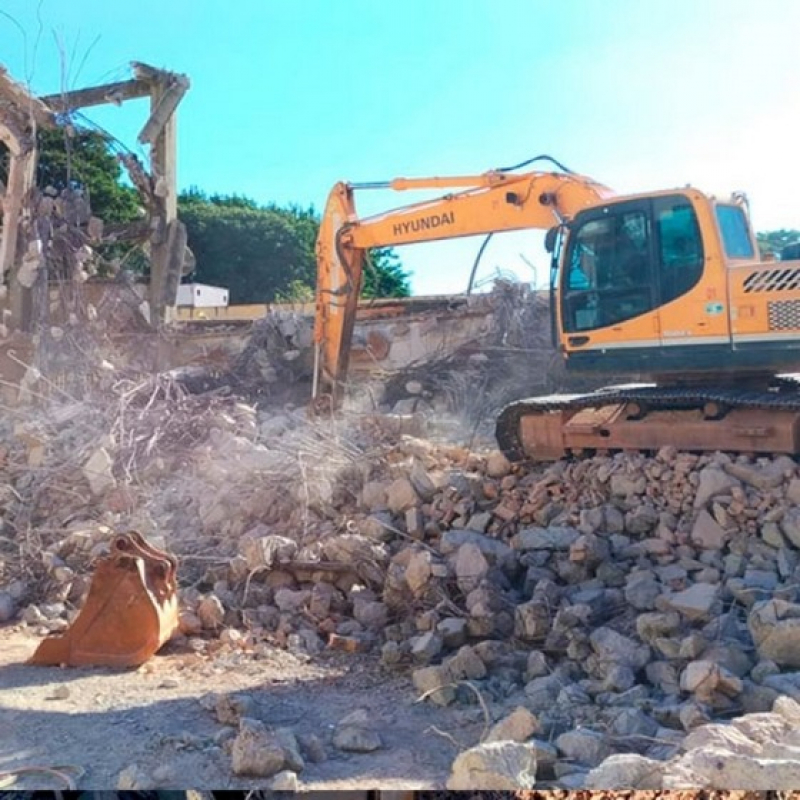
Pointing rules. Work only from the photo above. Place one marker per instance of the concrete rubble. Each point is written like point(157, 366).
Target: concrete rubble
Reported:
point(608, 614)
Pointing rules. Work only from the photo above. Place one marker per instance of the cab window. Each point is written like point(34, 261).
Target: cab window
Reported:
point(680, 247)
point(735, 232)
point(608, 277)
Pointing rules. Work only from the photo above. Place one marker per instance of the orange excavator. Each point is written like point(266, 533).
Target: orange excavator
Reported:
point(666, 286)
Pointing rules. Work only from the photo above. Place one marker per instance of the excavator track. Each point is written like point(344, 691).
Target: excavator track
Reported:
point(647, 417)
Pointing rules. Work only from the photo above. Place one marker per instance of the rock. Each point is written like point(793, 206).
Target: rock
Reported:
point(371, 614)
point(775, 628)
point(790, 525)
point(721, 737)
point(697, 602)
point(426, 647)
point(290, 601)
point(717, 769)
point(470, 567)
point(465, 665)
point(627, 770)
point(8, 607)
point(622, 485)
point(768, 476)
point(266, 551)
point(532, 620)
point(584, 746)
point(453, 631)
point(230, 708)
point(291, 749)
point(98, 472)
point(134, 778)
point(497, 465)
point(545, 539)
point(418, 572)
point(354, 734)
point(421, 482)
point(190, 624)
point(284, 781)
point(401, 495)
point(543, 692)
point(494, 766)
point(707, 533)
point(494, 550)
point(713, 482)
point(641, 591)
point(256, 751)
point(435, 683)
point(211, 612)
point(701, 678)
point(614, 648)
point(537, 665)
point(518, 726)
point(374, 495)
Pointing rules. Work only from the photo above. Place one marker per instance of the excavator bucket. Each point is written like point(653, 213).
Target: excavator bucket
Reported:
point(131, 610)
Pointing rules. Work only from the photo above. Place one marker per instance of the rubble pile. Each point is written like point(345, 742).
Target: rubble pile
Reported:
point(590, 608)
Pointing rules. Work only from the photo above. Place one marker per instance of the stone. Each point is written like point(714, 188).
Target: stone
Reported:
point(627, 770)
point(435, 684)
point(266, 551)
point(545, 539)
point(622, 485)
point(701, 678)
point(230, 708)
point(372, 614)
point(537, 665)
point(790, 525)
point(532, 620)
point(641, 591)
point(697, 602)
point(453, 631)
point(8, 607)
point(466, 665)
point(374, 495)
point(713, 482)
point(542, 692)
point(418, 572)
point(793, 491)
point(775, 627)
point(401, 495)
point(470, 567)
point(426, 647)
point(284, 781)
point(614, 648)
point(356, 739)
point(291, 749)
point(769, 476)
point(211, 612)
point(494, 550)
point(98, 471)
point(584, 746)
point(421, 482)
point(721, 737)
point(290, 601)
point(518, 726)
point(723, 770)
point(256, 751)
point(657, 624)
point(707, 533)
point(494, 766)
point(497, 465)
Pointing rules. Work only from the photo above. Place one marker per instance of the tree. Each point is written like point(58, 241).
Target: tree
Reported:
point(77, 159)
point(267, 254)
point(773, 242)
point(384, 275)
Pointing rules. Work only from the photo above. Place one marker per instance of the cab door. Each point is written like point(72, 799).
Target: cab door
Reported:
point(692, 312)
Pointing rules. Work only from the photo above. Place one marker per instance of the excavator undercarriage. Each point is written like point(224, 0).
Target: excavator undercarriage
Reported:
point(648, 417)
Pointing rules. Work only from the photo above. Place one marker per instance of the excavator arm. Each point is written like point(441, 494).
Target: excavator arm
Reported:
point(492, 202)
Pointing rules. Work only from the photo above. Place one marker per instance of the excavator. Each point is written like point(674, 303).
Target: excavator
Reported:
point(666, 287)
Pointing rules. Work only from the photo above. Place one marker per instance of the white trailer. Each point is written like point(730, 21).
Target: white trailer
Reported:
point(199, 295)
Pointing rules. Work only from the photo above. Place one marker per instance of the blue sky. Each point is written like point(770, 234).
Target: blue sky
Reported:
point(289, 97)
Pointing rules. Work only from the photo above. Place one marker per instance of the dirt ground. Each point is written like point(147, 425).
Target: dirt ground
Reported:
point(160, 719)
